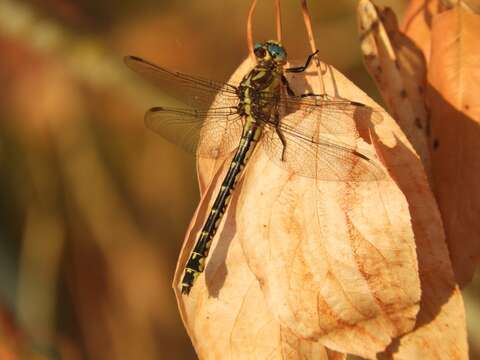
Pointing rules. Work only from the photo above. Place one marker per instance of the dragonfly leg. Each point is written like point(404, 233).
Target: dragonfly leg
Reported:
point(299, 69)
point(280, 135)
point(290, 92)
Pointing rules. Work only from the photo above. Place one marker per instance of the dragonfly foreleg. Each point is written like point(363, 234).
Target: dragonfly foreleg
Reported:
point(299, 69)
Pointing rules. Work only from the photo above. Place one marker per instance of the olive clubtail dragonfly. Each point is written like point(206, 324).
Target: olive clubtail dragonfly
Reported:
point(225, 118)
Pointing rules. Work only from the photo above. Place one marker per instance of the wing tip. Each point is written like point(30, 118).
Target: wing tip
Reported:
point(146, 117)
point(359, 154)
point(133, 61)
point(132, 57)
point(358, 103)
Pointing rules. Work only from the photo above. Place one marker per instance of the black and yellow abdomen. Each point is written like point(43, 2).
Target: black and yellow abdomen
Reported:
point(196, 262)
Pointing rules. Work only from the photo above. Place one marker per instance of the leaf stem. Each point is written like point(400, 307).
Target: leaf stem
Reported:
point(251, 11)
point(311, 39)
point(278, 20)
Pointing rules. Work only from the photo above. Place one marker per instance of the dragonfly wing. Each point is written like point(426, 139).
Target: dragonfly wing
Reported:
point(320, 156)
point(330, 114)
point(211, 134)
point(191, 90)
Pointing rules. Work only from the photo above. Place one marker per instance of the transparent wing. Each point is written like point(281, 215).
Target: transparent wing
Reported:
point(210, 128)
point(315, 150)
point(327, 159)
point(209, 133)
point(191, 90)
point(331, 115)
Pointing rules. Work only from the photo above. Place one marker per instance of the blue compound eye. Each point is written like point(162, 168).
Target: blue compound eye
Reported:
point(277, 51)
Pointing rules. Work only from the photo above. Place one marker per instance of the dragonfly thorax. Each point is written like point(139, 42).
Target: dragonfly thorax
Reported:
point(259, 90)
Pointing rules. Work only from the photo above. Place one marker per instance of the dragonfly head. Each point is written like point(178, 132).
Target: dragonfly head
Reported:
point(270, 52)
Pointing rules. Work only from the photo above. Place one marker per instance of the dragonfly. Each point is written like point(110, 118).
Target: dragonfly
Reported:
point(300, 133)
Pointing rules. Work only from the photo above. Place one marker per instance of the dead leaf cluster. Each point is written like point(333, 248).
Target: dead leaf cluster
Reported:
point(304, 269)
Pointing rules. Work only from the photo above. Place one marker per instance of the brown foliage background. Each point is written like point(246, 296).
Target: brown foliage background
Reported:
point(93, 207)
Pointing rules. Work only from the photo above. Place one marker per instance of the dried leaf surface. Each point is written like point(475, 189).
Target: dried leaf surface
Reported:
point(398, 68)
point(419, 15)
point(454, 77)
point(311, 263)
point(440, 331)
point(417, 23)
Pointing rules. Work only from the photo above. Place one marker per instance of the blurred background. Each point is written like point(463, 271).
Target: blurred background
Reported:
point(93, 206)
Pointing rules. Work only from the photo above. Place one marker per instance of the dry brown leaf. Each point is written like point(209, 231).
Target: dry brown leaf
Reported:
point(419, 14)
point(469, 5)
point(312, 264)
point(417, 23)
point(398, 68)
point(454, 77)
point(440, 331)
